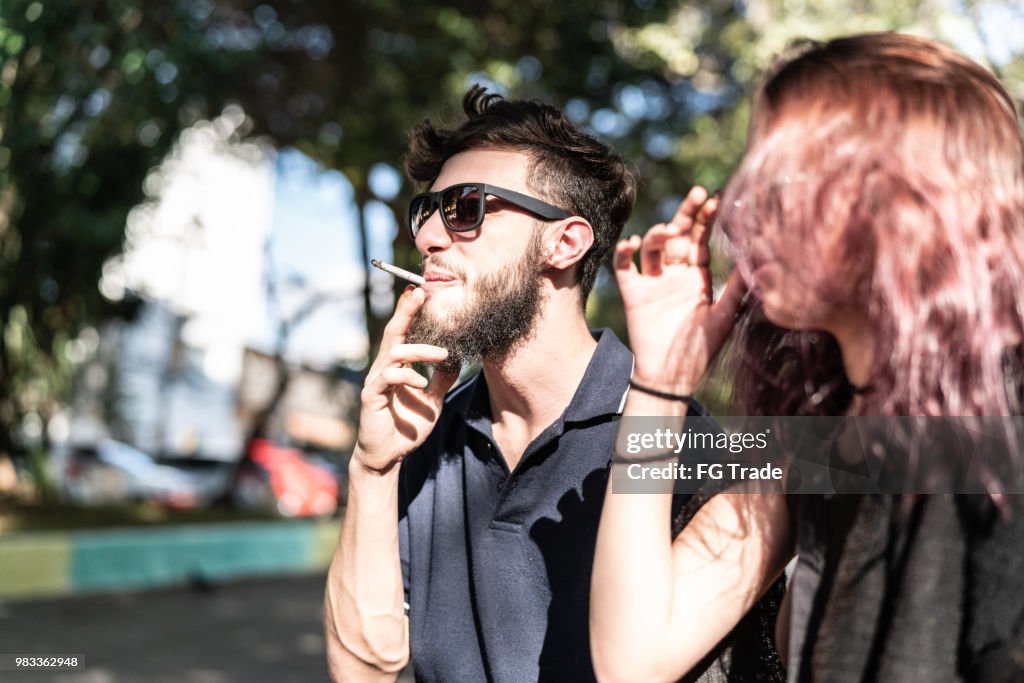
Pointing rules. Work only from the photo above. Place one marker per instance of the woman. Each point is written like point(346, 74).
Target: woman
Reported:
point(878, 218)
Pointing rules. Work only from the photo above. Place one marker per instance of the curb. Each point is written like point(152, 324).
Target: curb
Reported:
point(47, 564)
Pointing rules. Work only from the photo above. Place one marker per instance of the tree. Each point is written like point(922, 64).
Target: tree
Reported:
point(94, 93)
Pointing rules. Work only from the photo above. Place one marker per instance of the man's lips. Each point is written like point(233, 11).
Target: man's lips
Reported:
point(436, 279)
point(437, 276)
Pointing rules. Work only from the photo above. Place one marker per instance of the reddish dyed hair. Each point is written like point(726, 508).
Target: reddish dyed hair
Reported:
point(885, 172)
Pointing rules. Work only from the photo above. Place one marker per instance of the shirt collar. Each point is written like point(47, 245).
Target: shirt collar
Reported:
point(605, 381)
point(599, 394)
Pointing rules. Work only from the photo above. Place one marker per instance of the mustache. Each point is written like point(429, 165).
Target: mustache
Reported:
point(441, 264)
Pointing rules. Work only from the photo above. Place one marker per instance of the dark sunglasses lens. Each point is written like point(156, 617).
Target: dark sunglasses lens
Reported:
point(463, 207)
point(419, 211)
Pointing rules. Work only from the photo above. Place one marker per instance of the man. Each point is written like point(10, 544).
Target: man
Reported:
point(497, 487)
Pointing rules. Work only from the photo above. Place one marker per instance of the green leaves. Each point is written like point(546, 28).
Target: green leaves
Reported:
point(93, 93)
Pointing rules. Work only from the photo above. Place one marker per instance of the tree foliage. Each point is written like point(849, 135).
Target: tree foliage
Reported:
point(93, 94)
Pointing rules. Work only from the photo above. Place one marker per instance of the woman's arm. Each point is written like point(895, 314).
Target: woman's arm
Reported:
point(658, 606)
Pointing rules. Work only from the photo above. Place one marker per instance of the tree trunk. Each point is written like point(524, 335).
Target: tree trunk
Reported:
point(260, 428)
point(374, 324)
point(9, 413)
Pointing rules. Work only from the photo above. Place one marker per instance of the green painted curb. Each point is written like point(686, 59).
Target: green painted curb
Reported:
point(37, 564)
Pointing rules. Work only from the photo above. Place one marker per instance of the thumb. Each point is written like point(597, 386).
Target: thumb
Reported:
point(727, 309)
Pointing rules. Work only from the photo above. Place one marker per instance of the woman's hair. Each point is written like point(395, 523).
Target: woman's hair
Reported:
point(885, 173)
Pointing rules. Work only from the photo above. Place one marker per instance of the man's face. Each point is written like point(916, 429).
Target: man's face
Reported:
point(483, 286)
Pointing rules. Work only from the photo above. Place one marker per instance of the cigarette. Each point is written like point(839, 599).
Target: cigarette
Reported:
point(398, 272)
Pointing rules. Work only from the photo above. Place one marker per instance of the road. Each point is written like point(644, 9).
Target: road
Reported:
point(247, 631)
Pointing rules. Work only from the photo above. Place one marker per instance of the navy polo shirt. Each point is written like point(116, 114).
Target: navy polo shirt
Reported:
point(497, 564)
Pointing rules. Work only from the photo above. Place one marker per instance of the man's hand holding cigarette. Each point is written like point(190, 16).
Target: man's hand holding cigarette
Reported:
point(399, 405)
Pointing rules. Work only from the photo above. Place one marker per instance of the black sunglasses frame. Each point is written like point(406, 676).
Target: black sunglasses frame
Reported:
point(527, 203)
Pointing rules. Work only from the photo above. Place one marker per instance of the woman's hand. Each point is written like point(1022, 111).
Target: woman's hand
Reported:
point(674, 328)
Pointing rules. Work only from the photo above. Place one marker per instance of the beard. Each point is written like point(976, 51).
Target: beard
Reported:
point(499, 314)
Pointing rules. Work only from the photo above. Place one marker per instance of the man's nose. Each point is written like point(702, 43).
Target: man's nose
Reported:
point(433, 236)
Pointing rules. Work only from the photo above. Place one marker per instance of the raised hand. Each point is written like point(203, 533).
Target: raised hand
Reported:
point(399, 406)
point(674, 328)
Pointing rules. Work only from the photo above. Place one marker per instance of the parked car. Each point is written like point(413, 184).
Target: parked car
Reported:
point(286, 481)
point(112, 472)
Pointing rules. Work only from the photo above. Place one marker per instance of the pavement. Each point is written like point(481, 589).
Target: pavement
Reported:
point(256, 630)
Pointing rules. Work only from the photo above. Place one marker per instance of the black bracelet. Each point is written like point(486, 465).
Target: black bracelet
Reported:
point(684, 398)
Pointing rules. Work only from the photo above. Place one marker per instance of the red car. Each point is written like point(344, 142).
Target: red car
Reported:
point(285, 480)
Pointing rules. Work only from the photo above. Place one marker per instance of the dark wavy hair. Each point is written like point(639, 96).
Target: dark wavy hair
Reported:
point(885, 172)
point(568, 168)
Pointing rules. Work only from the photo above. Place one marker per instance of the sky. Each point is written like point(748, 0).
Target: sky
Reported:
point(315, 250)
point(315, 253)
point(315, 242)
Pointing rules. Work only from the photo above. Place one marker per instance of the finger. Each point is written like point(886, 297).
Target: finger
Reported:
point(727, 309)
point(677, 249)
point(376, 392)
point(653, 247)
point(688, 208)
point(700, 233)
point(408, 304)
point(416, 353)
point(625, 266)
point(402, 376)
point(731, 300)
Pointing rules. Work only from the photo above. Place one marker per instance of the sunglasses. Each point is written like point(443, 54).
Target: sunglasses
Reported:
point(463, 206)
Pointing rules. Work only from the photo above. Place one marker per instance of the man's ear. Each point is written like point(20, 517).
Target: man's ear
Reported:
point(567, 241)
